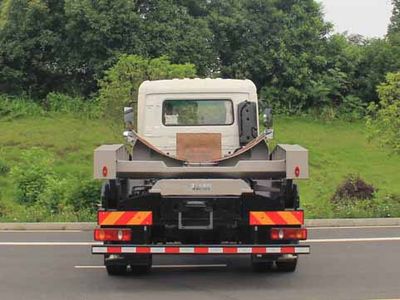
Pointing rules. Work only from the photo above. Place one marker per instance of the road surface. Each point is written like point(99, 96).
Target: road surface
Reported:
point(345, 263)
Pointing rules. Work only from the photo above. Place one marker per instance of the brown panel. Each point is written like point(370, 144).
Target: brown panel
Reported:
point(198, 147)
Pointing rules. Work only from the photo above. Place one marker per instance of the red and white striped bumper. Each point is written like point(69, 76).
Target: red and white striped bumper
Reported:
point(201, 250)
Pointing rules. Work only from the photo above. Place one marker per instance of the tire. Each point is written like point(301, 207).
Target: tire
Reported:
point(290, 194)
point(110, 194)
point(286, 266)
point(295, 197)
point(261, 267)
point(116, 270)
point(140, 269)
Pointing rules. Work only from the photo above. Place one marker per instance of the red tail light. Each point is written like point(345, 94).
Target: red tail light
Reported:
point(115, 235)
point(288, 234)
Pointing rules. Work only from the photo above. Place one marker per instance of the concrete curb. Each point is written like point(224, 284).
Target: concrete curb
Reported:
point(352, 222)
point(86, 226)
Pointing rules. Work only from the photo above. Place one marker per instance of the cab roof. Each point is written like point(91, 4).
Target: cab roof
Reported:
point(198, 85)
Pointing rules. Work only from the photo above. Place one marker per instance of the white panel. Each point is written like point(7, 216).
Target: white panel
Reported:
point(302, 250)
point(99, 250)
point(244, 250)
point(157, 250)
point(128, 249)
point(186, 250)
point(215, 250)
point(274, 250)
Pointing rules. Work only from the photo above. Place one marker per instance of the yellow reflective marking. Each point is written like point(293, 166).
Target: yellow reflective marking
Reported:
point(289, 218)
point(112, 218)
point(262, 218)
point(138, 218)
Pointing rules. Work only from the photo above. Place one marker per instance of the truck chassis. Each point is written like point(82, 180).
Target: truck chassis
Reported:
point(243, 204)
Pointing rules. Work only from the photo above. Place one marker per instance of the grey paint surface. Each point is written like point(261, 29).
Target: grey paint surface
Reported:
point(202, 187)
point(361, 270)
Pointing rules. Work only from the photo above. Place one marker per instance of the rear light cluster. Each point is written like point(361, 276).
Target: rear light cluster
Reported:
point(112, 235)
point(288, 234)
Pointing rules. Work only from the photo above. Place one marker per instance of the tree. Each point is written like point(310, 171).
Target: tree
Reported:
point(66, 45)
point(379, 57)
point(394, 26)
point(384, 125)
point(97, 32)
point(31, 43)
point(170, 30)
point(121, 82)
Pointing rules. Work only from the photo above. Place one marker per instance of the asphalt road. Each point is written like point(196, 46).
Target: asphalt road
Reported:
point(346, 263)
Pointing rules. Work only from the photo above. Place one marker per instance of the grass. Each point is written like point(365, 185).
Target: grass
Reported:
point(336, 150)
point(70, 139)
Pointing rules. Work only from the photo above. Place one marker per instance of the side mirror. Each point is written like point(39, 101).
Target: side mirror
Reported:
point(128, 116)
point(267, 118)
point(129, 136)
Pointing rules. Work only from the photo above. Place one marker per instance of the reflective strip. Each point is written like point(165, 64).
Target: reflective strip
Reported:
point(129, 249)
point(244, 250)
point(119, 218)
point(157, 250)
point(217, 250)
point(275, 250)
point(185, 250)
point(114, 249)
point(302, 250)
point(229, 250)
point(257, 218)
point(99, 250)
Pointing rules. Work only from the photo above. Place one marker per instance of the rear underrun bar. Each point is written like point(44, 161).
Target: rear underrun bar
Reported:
point(201, 250)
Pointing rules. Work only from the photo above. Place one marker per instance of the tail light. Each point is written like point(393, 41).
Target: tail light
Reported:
point(288, 234)
point(114, 235)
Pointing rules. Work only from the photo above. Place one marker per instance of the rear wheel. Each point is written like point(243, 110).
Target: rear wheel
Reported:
point(113, 192)
point(261, 266)
point(290, 194)
point(116, 270)
point(141, 269)
point(110, 194)
point(261, 263)
point(287, 265)
point(141, 264)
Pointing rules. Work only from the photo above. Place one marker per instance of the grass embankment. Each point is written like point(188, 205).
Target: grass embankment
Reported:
point(71, 141)
point(336, 150)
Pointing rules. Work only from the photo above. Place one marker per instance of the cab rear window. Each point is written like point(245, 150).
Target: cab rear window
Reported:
point(197, 112)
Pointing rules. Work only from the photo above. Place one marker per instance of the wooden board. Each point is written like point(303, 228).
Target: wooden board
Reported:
point(198, 147)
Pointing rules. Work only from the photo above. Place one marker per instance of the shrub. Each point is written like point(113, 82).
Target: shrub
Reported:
point(31, 174)
point(55, 194)
point(380, 207)
point(14, 107)
point(3, 208)
point(355, 198)
point(4, 168)
point(384, 121)
point(353, 188)
point(352, 108)
point(58, 102)
point(85, 195)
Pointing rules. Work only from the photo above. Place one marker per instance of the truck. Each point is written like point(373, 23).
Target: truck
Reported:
point(197, 176)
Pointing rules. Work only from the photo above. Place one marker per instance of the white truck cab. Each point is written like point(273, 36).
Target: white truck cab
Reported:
point(205, 108)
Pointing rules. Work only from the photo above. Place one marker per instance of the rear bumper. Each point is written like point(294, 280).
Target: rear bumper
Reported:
point(202, 249)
